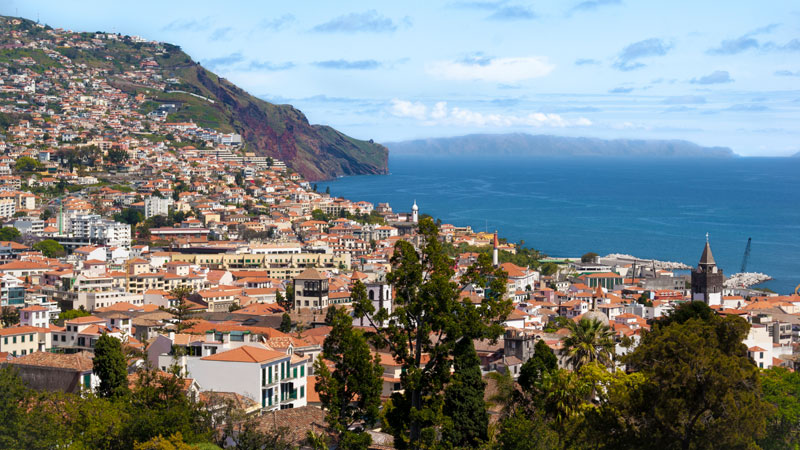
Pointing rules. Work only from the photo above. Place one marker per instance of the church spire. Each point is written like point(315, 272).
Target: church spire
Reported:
point(707, 259)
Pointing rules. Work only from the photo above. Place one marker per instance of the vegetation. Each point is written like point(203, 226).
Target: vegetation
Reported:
point(9, 316)
point(589, 340)
point(157, 406)
point(426, 305)
point(286, 323)
point(181, 311)
point(27, 164)
point(589, 257)
point(50, 248)
point(110, 366)
point(10, 234)
point(351, 393)
point(72, 314)
point(363, 218)
point(524, 256)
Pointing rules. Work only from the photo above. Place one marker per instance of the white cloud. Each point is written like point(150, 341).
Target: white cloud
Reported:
point(440, 114)
point(402, 108)
point(500, 70)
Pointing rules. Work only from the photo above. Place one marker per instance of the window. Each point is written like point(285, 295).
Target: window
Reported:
point(294, 373)
point(302, 371)
point(22, 338)
point(270, 375)
point(283, 371)
point(302, 391)
point(5, 340)
point(14, 340)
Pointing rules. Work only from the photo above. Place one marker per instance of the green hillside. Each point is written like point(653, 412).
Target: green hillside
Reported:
point(280, 131)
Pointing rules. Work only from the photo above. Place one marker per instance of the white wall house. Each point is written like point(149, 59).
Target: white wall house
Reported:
point(275, 379)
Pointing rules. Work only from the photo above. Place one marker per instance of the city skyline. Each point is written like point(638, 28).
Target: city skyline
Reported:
point(603, 68)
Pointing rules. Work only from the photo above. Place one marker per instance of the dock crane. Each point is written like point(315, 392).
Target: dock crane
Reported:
point(746, 256)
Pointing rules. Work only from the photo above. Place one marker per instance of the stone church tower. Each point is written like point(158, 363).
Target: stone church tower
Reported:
point(707, 279)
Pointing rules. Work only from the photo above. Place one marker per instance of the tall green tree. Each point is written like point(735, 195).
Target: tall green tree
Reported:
point(542, 362)
point(110, 366)
point(286, 323)
point(426, 321)
point(701, 389)
point(468, 421)
point(589, 340)
point(351, 393)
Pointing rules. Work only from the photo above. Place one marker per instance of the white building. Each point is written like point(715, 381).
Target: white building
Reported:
point(155, 206)
point(35, 316)
point(275, 379)
point(108, 232)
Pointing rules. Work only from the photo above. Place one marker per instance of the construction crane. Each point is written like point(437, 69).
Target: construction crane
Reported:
point(746, 256)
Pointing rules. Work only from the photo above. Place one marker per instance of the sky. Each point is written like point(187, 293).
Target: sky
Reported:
point(716, 73)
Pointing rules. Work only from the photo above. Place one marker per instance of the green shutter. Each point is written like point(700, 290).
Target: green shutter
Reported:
point(294, 373)
point(283, 371)
point(302, 371)
point(270, 377)
point(302, 391)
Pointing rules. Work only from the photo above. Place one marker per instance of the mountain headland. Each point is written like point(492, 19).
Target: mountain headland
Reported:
point(171, 77)
point(520, 144)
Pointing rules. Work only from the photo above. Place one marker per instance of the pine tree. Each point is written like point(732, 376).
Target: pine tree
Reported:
point(427, 304)
point(351, 394)
point(463, 400)
point(110, 367)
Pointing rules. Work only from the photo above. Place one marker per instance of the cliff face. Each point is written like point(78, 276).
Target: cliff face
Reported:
point(283, 132)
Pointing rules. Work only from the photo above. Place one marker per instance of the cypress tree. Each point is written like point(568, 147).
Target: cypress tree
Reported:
point(110, 366)
point(463, 400)
point(286, 323)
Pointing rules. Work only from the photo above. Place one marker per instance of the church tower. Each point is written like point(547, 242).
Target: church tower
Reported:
point(415, 213)
point(707, 279)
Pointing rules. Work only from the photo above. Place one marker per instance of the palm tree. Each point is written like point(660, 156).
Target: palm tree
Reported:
point(589, 340)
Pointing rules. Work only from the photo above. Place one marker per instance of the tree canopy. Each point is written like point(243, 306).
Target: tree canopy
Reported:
point(50, 248)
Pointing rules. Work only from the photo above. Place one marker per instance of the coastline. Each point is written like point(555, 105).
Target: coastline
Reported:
point(547, 204)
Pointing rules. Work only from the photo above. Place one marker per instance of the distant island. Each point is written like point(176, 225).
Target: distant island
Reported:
point(521, 144)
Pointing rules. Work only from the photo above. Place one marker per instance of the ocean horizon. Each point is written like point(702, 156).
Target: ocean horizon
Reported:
point(652, 208)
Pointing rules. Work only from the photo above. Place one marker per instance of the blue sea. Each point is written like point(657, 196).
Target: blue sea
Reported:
point(650, 208)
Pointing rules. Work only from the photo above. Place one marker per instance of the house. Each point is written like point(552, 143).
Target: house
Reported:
point(57, 371)
point(35, 316)
point(24, 339)
point(275, 379)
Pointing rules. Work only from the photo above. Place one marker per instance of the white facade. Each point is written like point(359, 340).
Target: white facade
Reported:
point(92, 226)
point(274, 379)
point(155, 206)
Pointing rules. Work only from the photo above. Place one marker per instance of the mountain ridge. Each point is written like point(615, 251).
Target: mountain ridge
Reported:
point(280, 131)
point(522, 144)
